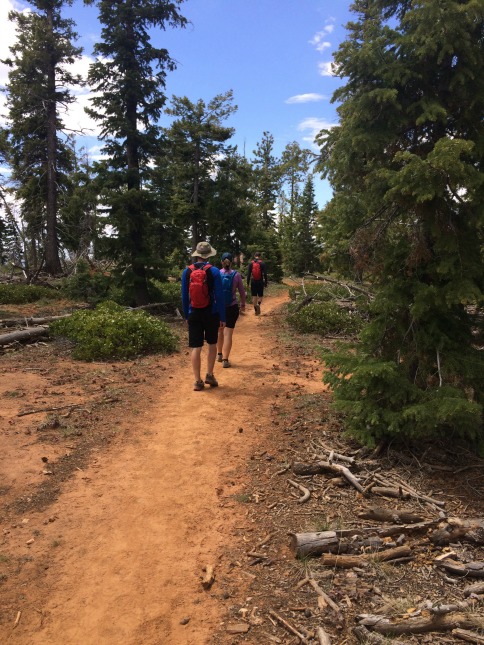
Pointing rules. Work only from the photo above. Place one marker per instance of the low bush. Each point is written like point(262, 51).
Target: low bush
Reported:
point(19, 294)
point(112, 332)
point(92, 286)
point(326, 318)
point(166, 292)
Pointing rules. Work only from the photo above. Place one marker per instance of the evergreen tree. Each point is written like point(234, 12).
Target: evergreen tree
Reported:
point(406, 166)
point(197, 139)
point(129, 78)
point(294, 168)
point(37, 90)
point(229, 208)
point(267, 172)
point(305, 249)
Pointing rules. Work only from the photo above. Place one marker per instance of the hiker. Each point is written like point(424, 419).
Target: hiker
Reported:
point(231, 282)
point(204, 311)
point(257, 280)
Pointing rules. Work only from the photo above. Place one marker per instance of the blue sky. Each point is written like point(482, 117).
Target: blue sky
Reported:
point(274, 54)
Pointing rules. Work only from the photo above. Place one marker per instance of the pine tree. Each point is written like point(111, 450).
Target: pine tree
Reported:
point(128, 78)
point(197, 137)
point(305, 249)
point(406, 166)
point(37, 90)
point(294, 168)
point(267, 180)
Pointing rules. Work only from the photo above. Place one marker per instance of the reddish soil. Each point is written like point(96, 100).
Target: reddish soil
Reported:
point(111, 509)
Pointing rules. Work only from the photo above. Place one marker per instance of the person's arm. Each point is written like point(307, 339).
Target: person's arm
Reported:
point(249, 272)
point(264, 273)
point(184, 294)
point(219, 293)
point(240, 286)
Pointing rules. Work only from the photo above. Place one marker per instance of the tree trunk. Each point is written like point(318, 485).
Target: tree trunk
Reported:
point(52, 261)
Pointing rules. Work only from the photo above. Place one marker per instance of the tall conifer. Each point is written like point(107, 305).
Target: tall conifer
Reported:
point(406, 166)
point(129, 79)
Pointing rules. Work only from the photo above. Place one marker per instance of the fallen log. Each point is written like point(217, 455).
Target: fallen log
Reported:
point(467, 636)
point(370, 638)
point(469, 569)
point(377, 514)
point(385, 491)
point(421, 625)
point(455, 528)
point(350, 561)
point(16, 322)
point(23, 334)
point(304, 544)
point(477, 589)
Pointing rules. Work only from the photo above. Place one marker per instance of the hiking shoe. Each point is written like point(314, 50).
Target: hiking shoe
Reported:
point(226, 362)
point(219, 358)
point(211, 380)
point(198, 385)
point(257, 310)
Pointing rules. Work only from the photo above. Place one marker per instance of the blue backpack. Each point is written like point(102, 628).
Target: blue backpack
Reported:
point(227, 282)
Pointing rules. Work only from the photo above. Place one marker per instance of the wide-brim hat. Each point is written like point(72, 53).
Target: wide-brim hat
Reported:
point(204, 250)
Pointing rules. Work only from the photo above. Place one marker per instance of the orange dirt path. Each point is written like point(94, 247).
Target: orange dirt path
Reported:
point(139, 524)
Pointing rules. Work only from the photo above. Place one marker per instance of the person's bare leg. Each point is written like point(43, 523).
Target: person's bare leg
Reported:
point(227, 346)
point(196, 362)
point(212, 355)
point(220, 341)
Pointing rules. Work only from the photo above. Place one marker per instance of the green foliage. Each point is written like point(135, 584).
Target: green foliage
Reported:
point(405, 163)
point(92, 286)
point(325, 318)
point(19, 294)
point(112, 332)
point(379, 401)
point(166, 292)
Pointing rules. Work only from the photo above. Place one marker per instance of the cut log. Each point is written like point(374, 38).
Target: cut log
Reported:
point(477, 589)
point(456, 529)
point(421, 625)
point(304, 544)
point(467, 636)
point(23, 334)
point(350, 561)
point(306, 470)
point(385, 491)
point(469, 569)
point(377, 514)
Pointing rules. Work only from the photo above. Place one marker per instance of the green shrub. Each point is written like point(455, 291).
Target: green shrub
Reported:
point(325, 318)
point(112, 332)
point(92, 287)
point(19, 294)
point(166, 292)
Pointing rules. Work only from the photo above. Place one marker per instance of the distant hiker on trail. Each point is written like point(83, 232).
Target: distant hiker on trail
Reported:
point(231, 282)
point(204, 310)
point(257, 280)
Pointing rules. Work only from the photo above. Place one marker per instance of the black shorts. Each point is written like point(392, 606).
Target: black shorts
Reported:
point(202, 325)
point(231, 315)
point(257, 288)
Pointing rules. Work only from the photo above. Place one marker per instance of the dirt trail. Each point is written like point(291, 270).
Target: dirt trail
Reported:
point(138, 525)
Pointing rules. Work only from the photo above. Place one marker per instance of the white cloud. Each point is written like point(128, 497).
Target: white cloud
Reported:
point(319, 39)
point(306, 98)
point(314, 125)
point(326, 69)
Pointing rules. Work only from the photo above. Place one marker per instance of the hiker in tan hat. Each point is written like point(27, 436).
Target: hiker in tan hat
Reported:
point(204, 310)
